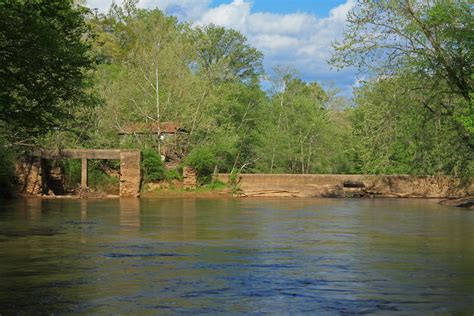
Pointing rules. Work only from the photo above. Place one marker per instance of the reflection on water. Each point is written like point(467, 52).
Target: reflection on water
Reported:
point(173, 256)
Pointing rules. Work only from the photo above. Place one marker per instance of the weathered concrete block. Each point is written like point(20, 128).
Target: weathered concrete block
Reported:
point(130, 175)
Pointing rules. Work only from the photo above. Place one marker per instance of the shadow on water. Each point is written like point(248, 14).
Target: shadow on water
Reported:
point(175, 256)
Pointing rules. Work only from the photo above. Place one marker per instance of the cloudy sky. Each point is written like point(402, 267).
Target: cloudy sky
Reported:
point(295, 33)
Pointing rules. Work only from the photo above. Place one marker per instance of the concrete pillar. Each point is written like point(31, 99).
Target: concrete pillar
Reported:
point(84, 183)
point(130, 176)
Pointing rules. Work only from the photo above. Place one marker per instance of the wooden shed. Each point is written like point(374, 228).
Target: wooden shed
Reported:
point(167, 136)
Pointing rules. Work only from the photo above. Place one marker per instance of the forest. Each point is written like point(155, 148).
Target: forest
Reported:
point(71, 77)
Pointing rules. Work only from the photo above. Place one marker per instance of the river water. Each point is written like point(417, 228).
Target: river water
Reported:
point(232, 256)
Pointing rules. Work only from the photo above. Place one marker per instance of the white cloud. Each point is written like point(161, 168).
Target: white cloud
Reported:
point(233, 15)
point(102, 5)
point(185, 9)
point(275, 42)
point(293, 24)
point(300, 40)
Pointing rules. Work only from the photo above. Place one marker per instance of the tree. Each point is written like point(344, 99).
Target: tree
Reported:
point(44, 58)
point(298, 132)
point(224, 55)
point(395, 133)
point(217, 106)
point(433, 38)
point(425, 48)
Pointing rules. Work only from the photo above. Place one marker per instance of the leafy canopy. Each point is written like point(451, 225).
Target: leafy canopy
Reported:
point(44, 58)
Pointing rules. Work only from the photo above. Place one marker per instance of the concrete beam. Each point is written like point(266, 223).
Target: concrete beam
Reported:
point(81, 153)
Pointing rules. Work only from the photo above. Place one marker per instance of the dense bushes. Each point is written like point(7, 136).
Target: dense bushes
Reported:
point(153, 167)
point(102, 174)
point(203, 160)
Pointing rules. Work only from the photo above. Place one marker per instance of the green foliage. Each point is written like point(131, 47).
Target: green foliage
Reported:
point(416, 114)
point(100, 174)
point(152, 166)
point(430, 38)
point(216, 186)
point(72, 172)
point(45, 59)
point(173, 174)
point(397, 133)
point(224, 55)
point(99, 179)
point(234, 181)
point(301, 130)
point(203, 160)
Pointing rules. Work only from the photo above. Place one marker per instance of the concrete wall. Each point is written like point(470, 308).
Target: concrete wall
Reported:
point(318, 185)
point(130, 173)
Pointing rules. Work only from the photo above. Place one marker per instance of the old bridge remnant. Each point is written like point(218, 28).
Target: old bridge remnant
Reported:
point(130, 176)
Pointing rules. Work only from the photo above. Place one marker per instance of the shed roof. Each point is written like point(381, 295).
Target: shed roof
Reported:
point(150, 128)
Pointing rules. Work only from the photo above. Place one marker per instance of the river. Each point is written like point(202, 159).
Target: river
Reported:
point(233, 256)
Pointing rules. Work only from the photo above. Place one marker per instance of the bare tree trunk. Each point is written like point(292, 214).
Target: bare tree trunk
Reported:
point(195, 117)
point(158, 106)
point(272, 164)
point(273, 158)
point(310, 150)
point(302, 156)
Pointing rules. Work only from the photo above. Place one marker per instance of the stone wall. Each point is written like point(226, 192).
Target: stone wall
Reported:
point(349, 185)
point(29, 175)
point(189, 178)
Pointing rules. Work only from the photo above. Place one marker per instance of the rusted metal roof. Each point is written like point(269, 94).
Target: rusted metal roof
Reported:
point(151, 128)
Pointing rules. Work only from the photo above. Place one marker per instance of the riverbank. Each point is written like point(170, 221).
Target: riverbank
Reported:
point(311, 186)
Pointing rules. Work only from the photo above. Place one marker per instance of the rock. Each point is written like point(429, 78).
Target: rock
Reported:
point(353, 184)
point(465, 202)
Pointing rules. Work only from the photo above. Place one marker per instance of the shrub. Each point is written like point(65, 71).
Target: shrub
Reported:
point(203, 160)
point(99, 176)
point(99, 179)
point(173, 174)
point(216, 186)
point(72, 171)
point(152, 166)
point(234, 181)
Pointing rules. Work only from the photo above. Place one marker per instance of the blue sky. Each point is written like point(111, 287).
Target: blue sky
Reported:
point(315, 7)
point(294, 33)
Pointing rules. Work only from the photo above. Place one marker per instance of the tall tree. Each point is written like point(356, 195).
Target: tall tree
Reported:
point(433, 38)
point(44, 59)
point(395, 133)
point(224, 54)
point(426, 48)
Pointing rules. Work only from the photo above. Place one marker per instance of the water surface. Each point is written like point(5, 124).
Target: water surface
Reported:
point(174, 256)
